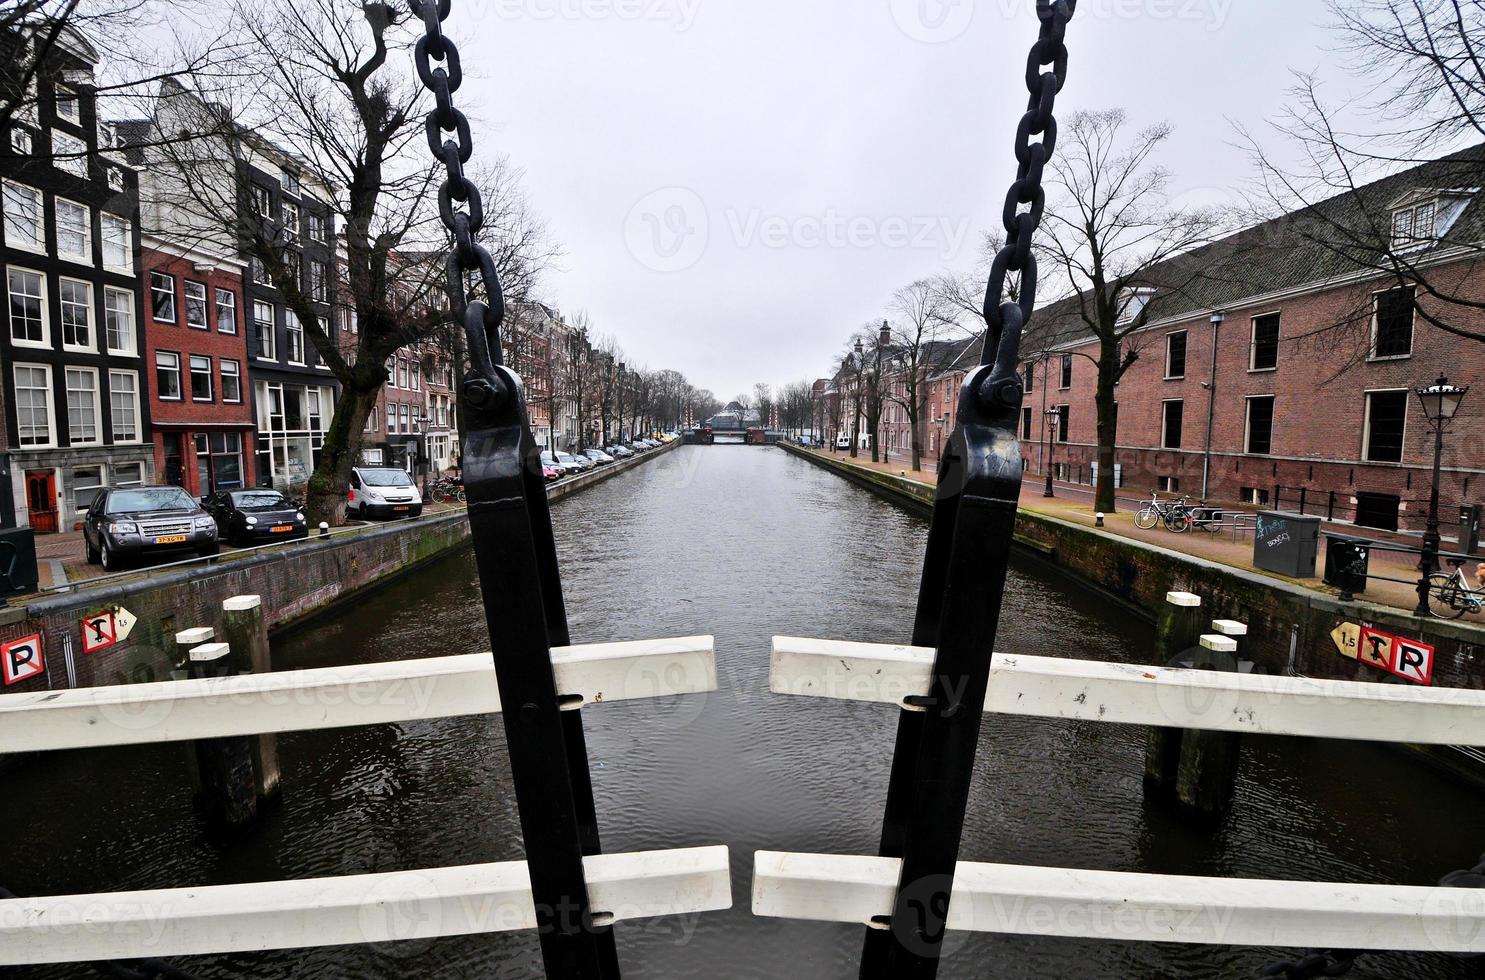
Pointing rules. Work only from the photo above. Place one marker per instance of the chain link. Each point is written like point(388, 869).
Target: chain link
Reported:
point(450, 142)
point(1004, 317)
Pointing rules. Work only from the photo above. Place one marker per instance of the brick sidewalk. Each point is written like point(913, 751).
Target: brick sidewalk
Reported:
point(1234, 549)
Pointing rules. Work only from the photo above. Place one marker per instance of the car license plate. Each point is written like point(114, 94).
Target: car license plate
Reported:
point(403, 507)
point(282, 528)
point(171, 539)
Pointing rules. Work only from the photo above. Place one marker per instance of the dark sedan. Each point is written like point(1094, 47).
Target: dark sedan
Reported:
point(248, 517)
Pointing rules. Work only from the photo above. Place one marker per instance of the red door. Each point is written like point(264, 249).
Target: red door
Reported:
point(41, 500)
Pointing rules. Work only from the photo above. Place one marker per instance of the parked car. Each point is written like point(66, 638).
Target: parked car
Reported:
point(383, 491)
point(575, 464)
point(619, 452)
point(550, 473)
point(247, 516)
point(125, 523)
point(549, 461)
point(598, 456)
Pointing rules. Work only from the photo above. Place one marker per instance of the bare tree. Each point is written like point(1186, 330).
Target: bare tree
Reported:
point(922, 310)
point(1421, 61)
point(330, 87)
point(1111, 231)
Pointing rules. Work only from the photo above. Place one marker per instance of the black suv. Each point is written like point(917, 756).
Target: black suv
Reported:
point(127, 522)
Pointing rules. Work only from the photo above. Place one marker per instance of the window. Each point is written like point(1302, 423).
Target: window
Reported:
point(291, 222)
point(291, 268)
point(294, 337)
point(291, 183)
point(403, 381)
point(82, 406)
point(315, 226)
point(318, 399)
point(33, 404)
point(1255, 496)
point(391, 372)
point(1172, 421)
point(115, 177)
point(200, 378)
point(76, 301)
point(1260, 439)
point(195, 305)
point(27, 308)
point(1392, 325)
point(167, 375)
point(1386, 425)
point(262, 201)
point(118, 320)
point(226, 311)
point(1175, 355)
point(22, 143)
point(118, 243)
point(70, 154)
point(263, 329)
point(1025, 419)
point(259, 272)
point(1169, 484)
point(86, 482)
point(416, 370)
point(1415, 225)
point(1066, 381)
point(1063, 414)
point(1265, 355)
point(404, 412)
point(391, 418)
point(319, 282)
point(1135, 302)
point(219, 460)
point(162, 297)
point(23, 224)
point(123, 403)
point(1030, 382)
point(72, 231)
point(231, 382)
point(128, 474)
point(67, 106)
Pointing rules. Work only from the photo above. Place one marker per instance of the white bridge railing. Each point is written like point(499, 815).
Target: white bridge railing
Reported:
point(1125, 906)
point(355, 908)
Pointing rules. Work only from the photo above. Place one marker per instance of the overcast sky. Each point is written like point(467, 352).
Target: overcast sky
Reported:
point(739, 184)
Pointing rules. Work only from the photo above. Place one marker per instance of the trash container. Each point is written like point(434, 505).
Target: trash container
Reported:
point(1347, 563)
point(17, 561)
point(1469, 529)
point(1288, 544)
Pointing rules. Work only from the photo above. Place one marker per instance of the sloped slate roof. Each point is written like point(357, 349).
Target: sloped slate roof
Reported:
point(1297, 250)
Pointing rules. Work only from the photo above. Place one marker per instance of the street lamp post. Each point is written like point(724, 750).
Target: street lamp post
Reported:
point(1053, 418)
point(1218, 318)
point(1440, 402)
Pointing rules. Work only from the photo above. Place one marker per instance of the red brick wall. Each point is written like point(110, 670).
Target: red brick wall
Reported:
point(1319, 410)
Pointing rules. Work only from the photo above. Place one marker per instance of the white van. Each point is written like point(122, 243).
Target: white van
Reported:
point(842, 442)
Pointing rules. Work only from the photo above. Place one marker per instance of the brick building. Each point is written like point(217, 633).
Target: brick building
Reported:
point(198, 390)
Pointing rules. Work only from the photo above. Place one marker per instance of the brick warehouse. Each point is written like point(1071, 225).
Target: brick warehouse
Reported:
point(1312, 388)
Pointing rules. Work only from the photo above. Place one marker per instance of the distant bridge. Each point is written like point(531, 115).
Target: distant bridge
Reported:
point(708, 436)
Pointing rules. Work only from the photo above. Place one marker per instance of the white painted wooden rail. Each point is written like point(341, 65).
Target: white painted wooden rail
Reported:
point(353, 909)
point(340, 697)
point(1198, 699)
point(1133, 907)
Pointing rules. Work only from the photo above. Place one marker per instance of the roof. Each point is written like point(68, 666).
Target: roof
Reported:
point(1297, 250)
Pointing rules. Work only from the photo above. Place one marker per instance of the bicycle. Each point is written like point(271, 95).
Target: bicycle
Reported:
point(445, 489)
point(1450, 596)
point(1176, 515)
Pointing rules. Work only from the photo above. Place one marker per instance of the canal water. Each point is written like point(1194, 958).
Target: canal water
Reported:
point(742, 543)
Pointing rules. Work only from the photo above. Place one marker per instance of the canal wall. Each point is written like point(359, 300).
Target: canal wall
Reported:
point(295, 581)
point(1289, 625)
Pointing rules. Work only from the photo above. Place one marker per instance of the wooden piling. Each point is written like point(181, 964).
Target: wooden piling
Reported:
point(245, 628)
point(1206, 773)
point(224, 766)
point(1177, 631)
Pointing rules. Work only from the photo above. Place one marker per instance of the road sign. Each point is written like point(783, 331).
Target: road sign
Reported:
point(1412, 661)
point(99, 632)
point(1347, 637)
point(1375, 648)
point(21, 659)
point(123, 621)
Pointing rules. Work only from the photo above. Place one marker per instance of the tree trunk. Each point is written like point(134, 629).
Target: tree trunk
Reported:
point(915, 437)
point(856, 429)
point(1108, 368)
point(325, 498)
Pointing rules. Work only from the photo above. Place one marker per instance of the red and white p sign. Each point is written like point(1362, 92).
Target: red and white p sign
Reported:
point(21, 659)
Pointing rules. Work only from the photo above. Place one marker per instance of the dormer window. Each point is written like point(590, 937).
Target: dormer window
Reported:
point(1134, 303)
point(68, 107)
point(1415, 224)
point(291, 183)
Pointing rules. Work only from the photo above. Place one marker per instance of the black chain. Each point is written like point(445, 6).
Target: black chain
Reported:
point(481, 317)
point(1007, 318)
point(1338, 962)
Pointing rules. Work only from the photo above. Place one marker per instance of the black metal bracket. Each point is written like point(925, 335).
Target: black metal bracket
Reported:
point(522, 590)
point(959, 600)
